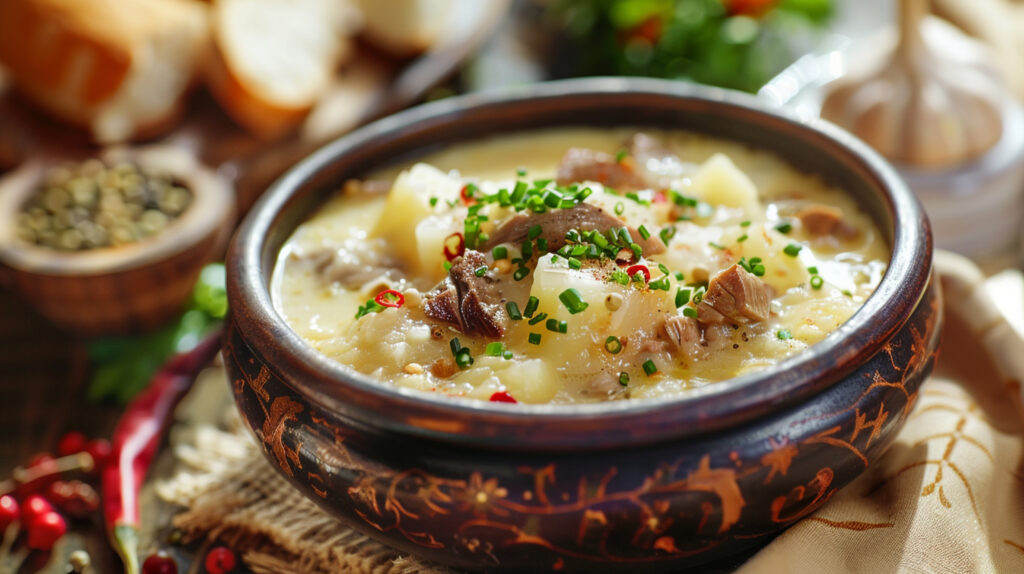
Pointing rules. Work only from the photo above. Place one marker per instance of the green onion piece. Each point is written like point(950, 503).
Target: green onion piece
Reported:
point(661, 283)
point(742, 238)
point(682, 296)
point(534, 338)
point(455, 346)
point(573, 300)
point(531, 306)
point(784, 227)
point(663, 269)
point(552, 325)
point(619, 276)
point(480, 271)
point(649, 367)
point(613, 345)
point(621, 155)
point(667, 234)
point(817, 282)
point(637, 250)
point(507, 355)
point(513, 311)
point(745, 223)
point(521, 273)
point(447, 266)
point(574, 263)
point(690, 312)
point(540, 317)
point(716, 245)
point(499, 252)
point(433, 202)
point(527, 249)
point(463, 359)
point(679, 275)
point(619, 208)
point(793, 249)
point(542, 244)
point(624, 379)
point(812, 270)
point(783, 334)
point(521, 172)
point(644, 233)
point(534, 232)
point(847, 293)
point(494, 349)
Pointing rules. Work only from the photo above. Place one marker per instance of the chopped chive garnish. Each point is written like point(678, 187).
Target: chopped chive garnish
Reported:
point(534, 338)
point(613, 345)
point(682, 296)
point(447, 266)
point(742, 238)
point(644, 233)
point(499, 252)
point(690, 312)
point(521, 273)
point(556, 326)
point(574, 263)
point(698, 295)
point(679, 275)
point(619, 276)
point(783, 334)
point(637, 250)
point(812, 270)
point(667, 234)
point(494, 349)
point(662, 283)
point(480, 271)
point(624, 379)
point(793, 249)
point(745, 223)
point(619, 208)
point(663, 269)
point(463, 359)
point(784, 227)
point(521, 172)
point(534, 232)
point(649, 367)
point(716, 245)
point(527, 249)
point(573, 300)
point(455, 345)
point(817, 282)
point(507, 355)
point(621, 155)
point(433, 202)
point(847, 293)
point(513, 311)
point(531, 306)
point(537, 319)
point(542, 244)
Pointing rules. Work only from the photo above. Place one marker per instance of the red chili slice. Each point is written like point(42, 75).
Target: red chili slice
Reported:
point(467, 195)
point(390, 298)
point(503, 397)
point(659, 197)
point(639, 268)
point(452, 251)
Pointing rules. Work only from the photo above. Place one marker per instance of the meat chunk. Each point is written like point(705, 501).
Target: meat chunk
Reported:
point(470, 303)
point(821, 220)
point(581, 164)
point(684, 335)
point(555, 223)
point(735, 295)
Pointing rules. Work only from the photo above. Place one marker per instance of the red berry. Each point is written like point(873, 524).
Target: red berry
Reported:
point(220, 560)
point(74, 498)
point(100, 451)
point(160, 563)
point(45, 530)
point(33, 507)
point(71, 443)
point(9, 511)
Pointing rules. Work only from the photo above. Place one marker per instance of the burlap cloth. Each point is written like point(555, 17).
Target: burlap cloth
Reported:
point(948, 496)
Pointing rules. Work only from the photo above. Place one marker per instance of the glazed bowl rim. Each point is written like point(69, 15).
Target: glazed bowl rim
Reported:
point(712, 407)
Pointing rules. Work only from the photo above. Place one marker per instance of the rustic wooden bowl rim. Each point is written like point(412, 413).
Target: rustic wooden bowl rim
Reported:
point(344, 392)
point(212, 205)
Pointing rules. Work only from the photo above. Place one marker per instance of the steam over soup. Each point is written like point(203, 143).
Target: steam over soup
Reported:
point(576, 266)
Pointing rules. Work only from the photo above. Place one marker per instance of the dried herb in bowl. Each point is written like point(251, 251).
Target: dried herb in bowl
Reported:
point(91, 205)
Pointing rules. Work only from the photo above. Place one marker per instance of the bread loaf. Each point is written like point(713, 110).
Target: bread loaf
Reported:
point(405, 28)
point(119, 68)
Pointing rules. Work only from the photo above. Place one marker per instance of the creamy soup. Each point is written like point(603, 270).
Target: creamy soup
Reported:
point(577, 265)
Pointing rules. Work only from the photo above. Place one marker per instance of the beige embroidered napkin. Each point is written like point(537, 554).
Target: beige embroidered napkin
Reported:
point(948, 496)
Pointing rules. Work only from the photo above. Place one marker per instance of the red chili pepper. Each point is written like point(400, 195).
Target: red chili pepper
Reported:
point(503, 397)
point(639, 269)
point(453, 251)
point(466, 194)
point(135, 440)
point(390, 298)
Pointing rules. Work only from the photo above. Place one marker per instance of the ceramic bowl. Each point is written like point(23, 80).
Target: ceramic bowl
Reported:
point(125, 289)
point(624, 486)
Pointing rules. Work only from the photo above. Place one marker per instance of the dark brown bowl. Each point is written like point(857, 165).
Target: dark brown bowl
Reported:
point(621, 486)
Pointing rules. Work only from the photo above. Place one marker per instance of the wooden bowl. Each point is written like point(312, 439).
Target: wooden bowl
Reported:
point(624, 486)
point(131, 288)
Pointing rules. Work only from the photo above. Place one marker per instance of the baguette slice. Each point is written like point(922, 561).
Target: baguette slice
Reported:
point(405, 28)
point(275, 58)
point(119, 68)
